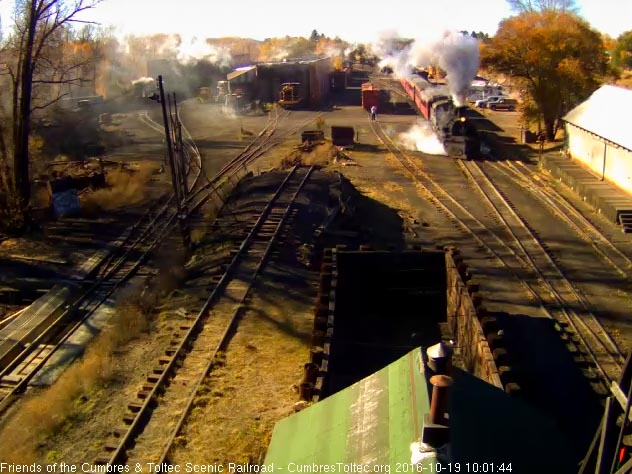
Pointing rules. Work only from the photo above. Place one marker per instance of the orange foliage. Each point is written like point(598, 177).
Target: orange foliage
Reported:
point(557, 54)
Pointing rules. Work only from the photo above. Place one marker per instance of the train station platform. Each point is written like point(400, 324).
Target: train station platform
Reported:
point(605, 197)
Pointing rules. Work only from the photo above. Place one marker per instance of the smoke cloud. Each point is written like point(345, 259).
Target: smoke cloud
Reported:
point(453, 52)
point(421, 137)
point(143, 81)
point(195, 49)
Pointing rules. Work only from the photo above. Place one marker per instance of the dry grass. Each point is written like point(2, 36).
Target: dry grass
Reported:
point(125, 188)
point(322, 154)
point(243, 398)
point(625, 80)
point(391, 186)
point(46, 413)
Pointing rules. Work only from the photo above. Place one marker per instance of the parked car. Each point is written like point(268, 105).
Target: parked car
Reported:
point(483, 103)
point(504, 104)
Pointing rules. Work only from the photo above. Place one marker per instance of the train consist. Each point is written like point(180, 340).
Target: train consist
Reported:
point(458, 136)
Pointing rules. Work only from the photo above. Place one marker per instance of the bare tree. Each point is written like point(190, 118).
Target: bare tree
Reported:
point(35, 60)
point(520, 6)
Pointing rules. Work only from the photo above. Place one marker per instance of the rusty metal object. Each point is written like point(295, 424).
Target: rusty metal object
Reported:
point(440, 388)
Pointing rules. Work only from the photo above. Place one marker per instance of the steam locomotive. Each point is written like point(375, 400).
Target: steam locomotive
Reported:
point(459, 137)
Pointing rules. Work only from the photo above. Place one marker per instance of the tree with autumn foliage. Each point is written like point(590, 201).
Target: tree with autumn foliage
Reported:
point(555, 54)
point(295, 47)
point(622, 54)
point(39, 62)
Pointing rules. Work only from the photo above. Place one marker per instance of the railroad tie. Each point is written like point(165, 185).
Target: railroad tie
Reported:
point(129, 418)
point(153, 378)
point(134, 407)
point(102, 460)
point(110, 447)
point(143, 395)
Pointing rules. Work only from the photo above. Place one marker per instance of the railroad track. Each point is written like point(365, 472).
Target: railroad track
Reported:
point(156, 416)
point(516, 247)
point(562, 300)
point(37, 347)
point(48, 346)
point(522, 176)
point(267, 139)
point(127, 255)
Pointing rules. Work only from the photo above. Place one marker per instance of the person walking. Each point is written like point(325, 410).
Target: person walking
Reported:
point(373, 112)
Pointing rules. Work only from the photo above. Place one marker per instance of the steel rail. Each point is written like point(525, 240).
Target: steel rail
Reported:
point(52, 331)
point(226, 336)
point(228, 171)
point(419, 175)
point(177, 354)
point(566, 211)
point(570, 315)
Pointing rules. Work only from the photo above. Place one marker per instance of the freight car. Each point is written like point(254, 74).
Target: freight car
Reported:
point(449, 122)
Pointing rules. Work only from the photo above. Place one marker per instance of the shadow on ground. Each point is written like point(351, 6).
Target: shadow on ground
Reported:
point(553, 383)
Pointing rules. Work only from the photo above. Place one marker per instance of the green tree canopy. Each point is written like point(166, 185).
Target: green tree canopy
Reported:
point(622, 56)
point(557, 55)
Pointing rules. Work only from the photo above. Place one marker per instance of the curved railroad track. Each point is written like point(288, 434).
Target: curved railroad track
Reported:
point(156, 416)
point(516, 247)
point(114, 267)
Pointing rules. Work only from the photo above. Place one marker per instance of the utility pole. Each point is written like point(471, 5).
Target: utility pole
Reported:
point(180, 149)
point(186, 237)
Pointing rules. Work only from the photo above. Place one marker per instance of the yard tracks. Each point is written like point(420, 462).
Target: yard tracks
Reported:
point(43, 342)
point(156, 416)
point(559, 297)
point(516, 247)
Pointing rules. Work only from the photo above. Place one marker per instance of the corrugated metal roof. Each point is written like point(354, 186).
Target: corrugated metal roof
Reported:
point(373, 422)
point(604, 113)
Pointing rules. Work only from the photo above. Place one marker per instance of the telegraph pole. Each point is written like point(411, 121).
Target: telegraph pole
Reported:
point(165, 118)
point(181, 161)
point(186, 238)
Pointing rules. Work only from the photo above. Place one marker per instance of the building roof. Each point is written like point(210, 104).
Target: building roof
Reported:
point(373, 421)
point(378, 422)
point(600, 114)
point(239, 71)
point(305, 60)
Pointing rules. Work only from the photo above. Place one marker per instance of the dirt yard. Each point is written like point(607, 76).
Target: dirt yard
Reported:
point(256, 385)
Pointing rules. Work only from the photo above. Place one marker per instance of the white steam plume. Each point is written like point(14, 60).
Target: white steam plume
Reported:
point(459, 57)
point(332, 51)
point(196, 49)
point(453, 52)
point(143, 80)
point(421, 137)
